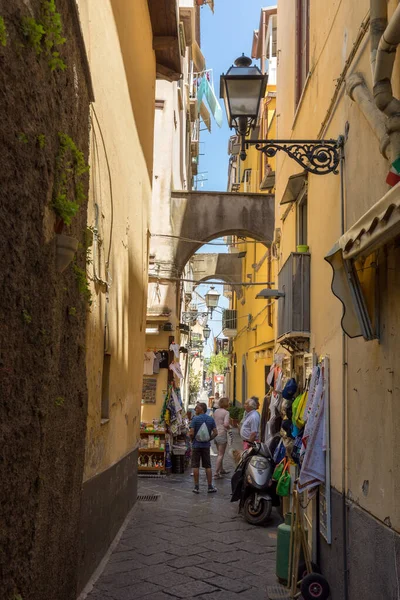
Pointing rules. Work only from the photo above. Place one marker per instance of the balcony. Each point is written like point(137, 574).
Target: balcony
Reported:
point(229, 323)
point(294, 307)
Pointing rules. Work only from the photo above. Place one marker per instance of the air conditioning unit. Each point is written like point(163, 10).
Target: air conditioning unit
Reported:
point(234, 145)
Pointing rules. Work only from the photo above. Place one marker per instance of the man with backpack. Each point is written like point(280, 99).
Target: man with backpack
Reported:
point(202, 431)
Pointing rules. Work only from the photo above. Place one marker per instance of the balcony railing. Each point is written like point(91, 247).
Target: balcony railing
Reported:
point(229, 323)
point(294, 307)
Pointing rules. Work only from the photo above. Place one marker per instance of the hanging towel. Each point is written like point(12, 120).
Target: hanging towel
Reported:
point(206, 89)
point(312, 473)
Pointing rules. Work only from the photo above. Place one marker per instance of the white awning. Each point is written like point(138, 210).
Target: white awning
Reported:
point(377, 227)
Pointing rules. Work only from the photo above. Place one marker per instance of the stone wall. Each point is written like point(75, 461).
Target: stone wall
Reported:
point(42, 314)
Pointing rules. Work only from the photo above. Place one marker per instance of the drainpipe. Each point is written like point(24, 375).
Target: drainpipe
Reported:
point(263, 44)
point(383, 92)
point(358, 91)
point(378, 23)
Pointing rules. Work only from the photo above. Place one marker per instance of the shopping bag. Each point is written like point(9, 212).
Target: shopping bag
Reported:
point(278, 470)
point(279, 453)
point(283, 487)
point(203, 435)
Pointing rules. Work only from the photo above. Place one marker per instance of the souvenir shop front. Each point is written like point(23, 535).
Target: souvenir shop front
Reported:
point(296, 413)
point(164, 428)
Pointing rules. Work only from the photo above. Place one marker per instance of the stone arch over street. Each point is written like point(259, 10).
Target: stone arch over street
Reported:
point(199, 217)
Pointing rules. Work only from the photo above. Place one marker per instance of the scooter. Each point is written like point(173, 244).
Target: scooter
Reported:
point(252, 484)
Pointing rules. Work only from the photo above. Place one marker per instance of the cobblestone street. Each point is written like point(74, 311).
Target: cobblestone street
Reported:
point(184, 545)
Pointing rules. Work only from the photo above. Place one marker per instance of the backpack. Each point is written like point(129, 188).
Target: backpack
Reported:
point(203, 435)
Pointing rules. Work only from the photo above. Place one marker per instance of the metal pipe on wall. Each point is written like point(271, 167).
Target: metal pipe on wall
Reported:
point(358, 91)
point(383, 72)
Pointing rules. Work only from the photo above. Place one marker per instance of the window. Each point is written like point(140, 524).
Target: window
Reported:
point(302, 220)
point(302, 46)
point(105, 388)
point(246, 180)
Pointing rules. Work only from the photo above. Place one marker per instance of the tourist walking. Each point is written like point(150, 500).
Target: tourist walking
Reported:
point(202, 431)
point(221, 418)
point(249, 430)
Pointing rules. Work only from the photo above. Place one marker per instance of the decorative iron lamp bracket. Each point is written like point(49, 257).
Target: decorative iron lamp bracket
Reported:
point(318, 157)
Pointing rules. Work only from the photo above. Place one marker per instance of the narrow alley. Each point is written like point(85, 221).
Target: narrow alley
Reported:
point(181, 545)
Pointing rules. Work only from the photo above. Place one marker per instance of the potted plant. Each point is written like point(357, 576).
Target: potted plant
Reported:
point(68, 195)
point(234, 412)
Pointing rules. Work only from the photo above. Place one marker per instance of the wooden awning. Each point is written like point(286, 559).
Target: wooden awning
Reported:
point(164, 21)
point(198, 58)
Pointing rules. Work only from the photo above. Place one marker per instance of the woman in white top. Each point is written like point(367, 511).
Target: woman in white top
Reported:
point(221, 418)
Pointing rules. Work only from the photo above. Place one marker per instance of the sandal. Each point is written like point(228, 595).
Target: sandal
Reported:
point(218, 476)
point(223, 472)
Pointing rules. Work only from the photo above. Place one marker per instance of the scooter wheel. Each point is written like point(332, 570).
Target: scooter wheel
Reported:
point(259, 515)
point(314, 587)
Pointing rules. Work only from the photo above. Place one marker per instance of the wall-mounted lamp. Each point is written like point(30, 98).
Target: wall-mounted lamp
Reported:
point(212, 298)
point(206, 332)
point(267, 294)
point(243, 88)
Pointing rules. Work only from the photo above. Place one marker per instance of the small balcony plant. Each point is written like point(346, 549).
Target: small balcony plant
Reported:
point(68, 195)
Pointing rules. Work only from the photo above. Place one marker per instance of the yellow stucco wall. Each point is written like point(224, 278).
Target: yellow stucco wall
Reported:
point(118, 39)
point(257, 335)
point(371, 409)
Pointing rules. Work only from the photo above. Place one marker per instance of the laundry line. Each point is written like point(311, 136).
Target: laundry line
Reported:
point(218, 282)
point(203, 243)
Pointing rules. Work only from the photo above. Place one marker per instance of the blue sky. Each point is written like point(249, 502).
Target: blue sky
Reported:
point(224, 36)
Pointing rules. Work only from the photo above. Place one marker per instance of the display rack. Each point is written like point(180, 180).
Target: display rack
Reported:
point(154, 454)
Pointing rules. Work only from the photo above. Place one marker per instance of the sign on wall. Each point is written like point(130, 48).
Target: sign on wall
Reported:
point(149, 390)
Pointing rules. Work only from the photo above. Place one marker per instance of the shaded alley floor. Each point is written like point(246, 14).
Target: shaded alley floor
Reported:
point(184, 545)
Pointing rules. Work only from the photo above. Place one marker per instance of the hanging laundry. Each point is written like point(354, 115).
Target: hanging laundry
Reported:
point(175, 349)
point(164, 359)
point(148, 363)
point(206, 89)
point(157, 361)
point(176, 369)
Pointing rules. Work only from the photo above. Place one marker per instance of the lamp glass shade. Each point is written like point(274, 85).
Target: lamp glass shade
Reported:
point(242, 89)
point(212, 298)
point(244, 96)
point(206, 332)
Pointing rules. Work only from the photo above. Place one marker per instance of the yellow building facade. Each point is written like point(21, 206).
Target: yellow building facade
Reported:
point(324, 91)
point(253, 345)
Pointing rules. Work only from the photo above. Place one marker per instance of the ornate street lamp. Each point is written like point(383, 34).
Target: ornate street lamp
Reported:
point(212, 298)
point(206, 332)
point(242, 89)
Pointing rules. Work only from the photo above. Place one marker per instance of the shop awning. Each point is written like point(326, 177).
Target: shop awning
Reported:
point(378, 226)
point(294, 186)
point(198, 58)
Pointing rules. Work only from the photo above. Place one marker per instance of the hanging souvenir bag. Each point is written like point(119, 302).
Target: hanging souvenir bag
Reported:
point(279, 453)
point(283, 487)
point(299, 414)
point(203, 435)
point(290, 389)
point(279, 470)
